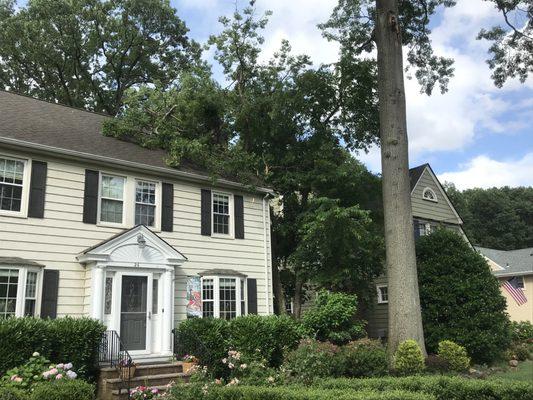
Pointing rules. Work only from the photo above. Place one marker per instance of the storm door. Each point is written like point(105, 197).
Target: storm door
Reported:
point(133, 313)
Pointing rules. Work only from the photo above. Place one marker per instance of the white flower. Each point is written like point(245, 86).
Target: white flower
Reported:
point(224, 360)
point(68, 366)
point(36, 354)
point(61, 366)
point(72, 374)
point(243, 366)
point(270, 379)
point(231, 365)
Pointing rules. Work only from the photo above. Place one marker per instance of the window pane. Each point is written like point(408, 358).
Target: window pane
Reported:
point(208, 292)
point(145, 192)
point(220, 213)
point(112, 187)
point(8, 292)
point(10, 197)
point(207, 289)
point(108, 295)
point(31, 284)
point(208, 309)
point(155, 290)
point(111, 211)
point(228, 298)
point(29, 308)
point(144, 215)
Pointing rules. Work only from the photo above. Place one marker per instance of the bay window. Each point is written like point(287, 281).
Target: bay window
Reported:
point(11, 184)
point(19, 290)
point(112, 199)
point(223, 297)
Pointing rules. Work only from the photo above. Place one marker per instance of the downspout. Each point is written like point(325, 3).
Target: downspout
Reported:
point(265, 248)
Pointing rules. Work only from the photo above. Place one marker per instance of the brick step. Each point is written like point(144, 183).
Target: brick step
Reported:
point(144, 380)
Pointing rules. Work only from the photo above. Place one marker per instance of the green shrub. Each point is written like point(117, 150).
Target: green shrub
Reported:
point(333, 318)
point(442, 387)
point(436, 364)
point(408, 358)
point(519, 351)
point(364, 358)
point(313, 359)
point(455, 355)
point(11, 393)
point(28, 374)
point(63, 390)
point(460, 298)
point(265, 337)
point(218, 392)
point(74, 340)
point(521, 331)
point(206, 339)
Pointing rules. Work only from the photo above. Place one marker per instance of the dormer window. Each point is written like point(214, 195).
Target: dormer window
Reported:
point(429, 194)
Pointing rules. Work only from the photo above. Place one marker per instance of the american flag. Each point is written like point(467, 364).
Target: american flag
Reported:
point(516, 292)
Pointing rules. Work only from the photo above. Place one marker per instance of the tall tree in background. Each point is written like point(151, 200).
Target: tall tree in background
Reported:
point(87, 53)
point(386, 26)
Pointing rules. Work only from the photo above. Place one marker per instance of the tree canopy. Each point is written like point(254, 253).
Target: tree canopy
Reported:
point(87, 53)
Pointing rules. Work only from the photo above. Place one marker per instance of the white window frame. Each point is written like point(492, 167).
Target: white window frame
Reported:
point(23, 213)
point(21, 288)
point(231, 230)
point(124, 199)
point(216, 294)
point(429, 190)
point(380, 294)
point(157, 210)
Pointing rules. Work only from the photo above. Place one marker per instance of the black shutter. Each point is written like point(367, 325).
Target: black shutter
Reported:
point(239, 216)
point(90, 198)
point(167, 209)
point(252, 295)
point(206, 212)
point(416, 226)
point(37, 189)
point(49, 296)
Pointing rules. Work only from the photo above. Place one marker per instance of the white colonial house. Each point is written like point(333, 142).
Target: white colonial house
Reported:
point(98, 227)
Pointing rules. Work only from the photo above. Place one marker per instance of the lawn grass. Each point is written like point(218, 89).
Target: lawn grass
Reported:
point(524, 373)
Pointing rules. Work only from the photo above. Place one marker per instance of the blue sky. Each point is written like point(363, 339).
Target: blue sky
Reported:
point(474, 135)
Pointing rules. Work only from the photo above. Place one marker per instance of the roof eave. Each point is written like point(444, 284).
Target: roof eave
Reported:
point(73, 154)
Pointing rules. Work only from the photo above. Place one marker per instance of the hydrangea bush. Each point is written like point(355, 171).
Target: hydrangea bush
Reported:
point(144, 393)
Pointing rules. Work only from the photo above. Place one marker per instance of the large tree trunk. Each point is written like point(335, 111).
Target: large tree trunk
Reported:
point(279, 296)
point(405, 319)
point(297, 301)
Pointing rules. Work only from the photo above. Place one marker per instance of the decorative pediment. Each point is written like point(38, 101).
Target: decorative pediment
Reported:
point(138, 246)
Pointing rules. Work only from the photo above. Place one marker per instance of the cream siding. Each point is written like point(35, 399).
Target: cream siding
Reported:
point(56, 240)
point(523, 312)
point(437, 211)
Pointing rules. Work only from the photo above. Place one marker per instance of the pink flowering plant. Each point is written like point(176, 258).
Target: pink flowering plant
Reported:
point(37, 369)
point(144, 393)
point(189, 358)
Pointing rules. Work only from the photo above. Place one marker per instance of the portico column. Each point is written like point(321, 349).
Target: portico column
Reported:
point(168, 306)
point(97, 292)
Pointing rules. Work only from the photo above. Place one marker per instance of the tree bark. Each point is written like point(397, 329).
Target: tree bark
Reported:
point(405, 319)
point(297, 301)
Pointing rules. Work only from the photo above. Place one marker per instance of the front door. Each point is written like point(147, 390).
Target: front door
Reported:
point(134, 312)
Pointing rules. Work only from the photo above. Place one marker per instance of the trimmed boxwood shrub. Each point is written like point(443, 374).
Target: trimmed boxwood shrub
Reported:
point(442, 387)
point(408, 358)
point(10, 393)
point(333, 318)
point(460, 298)
point(214, 392)
point(454, 355)
point(265, 337)
point(364, 358)
point(74, 340)
point(63, 390)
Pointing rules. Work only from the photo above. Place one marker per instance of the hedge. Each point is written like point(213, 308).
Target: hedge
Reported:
point(63, 390)
point(200, 392)
point(74, 340)
point(10, 393)
point(442, 387)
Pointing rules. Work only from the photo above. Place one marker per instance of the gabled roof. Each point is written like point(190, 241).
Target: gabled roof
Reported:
point(512, 262)
point(416, 173)
point(60, 129)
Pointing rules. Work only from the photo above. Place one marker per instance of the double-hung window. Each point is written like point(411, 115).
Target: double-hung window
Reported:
point(112, 199)
point(145, 203)
point(11, 184)
point(18, 291)
point(221, 213)
point(383, 294)
point(223, 297)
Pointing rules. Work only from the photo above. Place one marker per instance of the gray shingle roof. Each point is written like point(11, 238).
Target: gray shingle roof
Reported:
point(415, 174)
point(17, 262)
point(518, 262)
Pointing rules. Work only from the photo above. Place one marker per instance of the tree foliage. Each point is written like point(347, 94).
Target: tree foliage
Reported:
point(87, 53)
point(512, 41)
point(460, 298)
point(498, 218)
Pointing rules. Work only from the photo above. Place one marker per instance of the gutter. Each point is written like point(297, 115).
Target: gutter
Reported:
point(76, 155)
point(265, 248)
point(508, 274)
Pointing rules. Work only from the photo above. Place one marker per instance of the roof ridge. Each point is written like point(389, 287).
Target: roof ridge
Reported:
point(15, 93)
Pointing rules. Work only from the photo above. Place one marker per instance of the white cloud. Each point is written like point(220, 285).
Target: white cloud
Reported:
point(484, 172)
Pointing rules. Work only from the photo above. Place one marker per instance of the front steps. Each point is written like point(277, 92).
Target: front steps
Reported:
point(111, 386)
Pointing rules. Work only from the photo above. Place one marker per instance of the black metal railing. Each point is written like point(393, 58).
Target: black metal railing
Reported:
point(113, 353)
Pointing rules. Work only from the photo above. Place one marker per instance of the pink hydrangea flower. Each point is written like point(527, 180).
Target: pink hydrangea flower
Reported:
point(59, 376)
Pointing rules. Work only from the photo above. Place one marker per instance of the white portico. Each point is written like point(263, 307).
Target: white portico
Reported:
point(132, 289)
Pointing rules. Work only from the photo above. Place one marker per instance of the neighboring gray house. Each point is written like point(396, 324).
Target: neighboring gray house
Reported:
point(431, 209)
point(94, 226)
